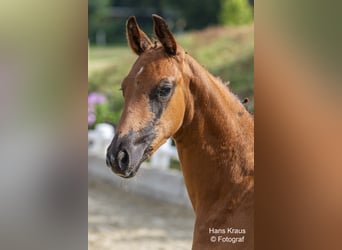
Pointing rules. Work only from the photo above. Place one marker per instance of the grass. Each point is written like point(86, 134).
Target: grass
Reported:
point(226, 52)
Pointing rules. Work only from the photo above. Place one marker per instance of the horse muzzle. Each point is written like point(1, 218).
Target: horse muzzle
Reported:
point(126, 153)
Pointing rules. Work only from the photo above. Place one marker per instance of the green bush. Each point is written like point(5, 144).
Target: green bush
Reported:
point(236, 12)
point(105, 82)
point(106, 113)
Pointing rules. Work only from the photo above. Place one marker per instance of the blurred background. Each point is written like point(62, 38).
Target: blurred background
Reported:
point(43, 129)
point(152, 211)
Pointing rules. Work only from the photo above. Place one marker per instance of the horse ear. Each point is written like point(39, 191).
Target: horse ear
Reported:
point(137, 39)
point(164, 35)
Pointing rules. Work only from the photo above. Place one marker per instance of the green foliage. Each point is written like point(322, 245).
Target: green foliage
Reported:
point(195, 14)
point(174, 164)
point(98, 13)
point(198, 13)
point(106, 113)
point(236, 12)
point(104, 81)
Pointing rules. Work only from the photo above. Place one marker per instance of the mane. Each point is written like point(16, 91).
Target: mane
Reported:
point(244, 101)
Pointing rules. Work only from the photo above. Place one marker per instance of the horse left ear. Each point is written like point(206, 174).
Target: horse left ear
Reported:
point(164, 35)
point(137, 39)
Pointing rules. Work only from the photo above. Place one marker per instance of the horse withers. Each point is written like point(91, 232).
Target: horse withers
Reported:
point(168, 94)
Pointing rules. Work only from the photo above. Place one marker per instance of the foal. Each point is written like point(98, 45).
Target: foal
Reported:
point(168, 94)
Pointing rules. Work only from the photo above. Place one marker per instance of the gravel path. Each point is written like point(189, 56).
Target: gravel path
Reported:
point(119, 220)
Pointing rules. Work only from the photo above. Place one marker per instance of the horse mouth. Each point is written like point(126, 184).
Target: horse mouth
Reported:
point(127, 175)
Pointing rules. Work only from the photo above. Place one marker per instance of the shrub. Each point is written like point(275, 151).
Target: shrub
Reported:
point(100, 110)
point(236, 12)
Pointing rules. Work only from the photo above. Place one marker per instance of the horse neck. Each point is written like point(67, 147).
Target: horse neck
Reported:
point(216, 142)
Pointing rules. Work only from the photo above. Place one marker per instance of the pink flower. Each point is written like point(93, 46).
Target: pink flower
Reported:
point(93, 99)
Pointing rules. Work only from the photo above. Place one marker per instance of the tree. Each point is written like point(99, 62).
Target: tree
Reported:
point(236, 12)
point(98, 12)
point(198, 13)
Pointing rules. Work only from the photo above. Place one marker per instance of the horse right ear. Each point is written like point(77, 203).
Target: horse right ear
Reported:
point(164, 35)
point(137, 39)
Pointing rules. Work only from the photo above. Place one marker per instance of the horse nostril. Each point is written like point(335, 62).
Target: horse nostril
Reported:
point(123, 159)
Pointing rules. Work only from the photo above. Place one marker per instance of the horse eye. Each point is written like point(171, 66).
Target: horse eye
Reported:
point(164, 91)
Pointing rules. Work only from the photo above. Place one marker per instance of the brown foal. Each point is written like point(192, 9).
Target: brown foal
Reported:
point(168, 94)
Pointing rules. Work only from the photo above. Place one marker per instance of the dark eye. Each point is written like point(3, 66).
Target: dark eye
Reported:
point(165, 90)
point(162, 92)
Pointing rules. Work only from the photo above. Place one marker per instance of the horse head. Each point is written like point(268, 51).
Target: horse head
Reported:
point(154, 94)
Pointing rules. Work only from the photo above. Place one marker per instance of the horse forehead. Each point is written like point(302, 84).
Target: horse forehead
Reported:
point(152, 69)
point(154, 58)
